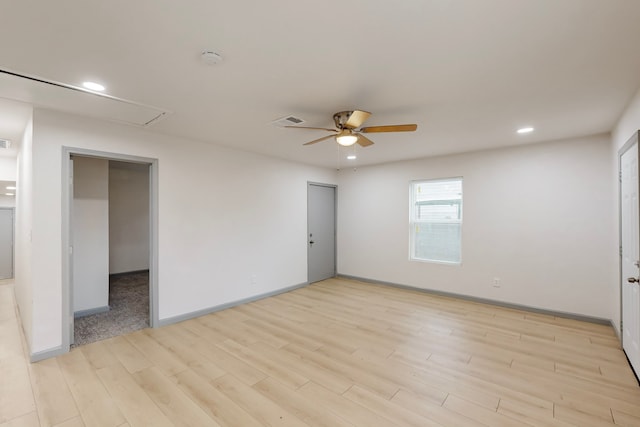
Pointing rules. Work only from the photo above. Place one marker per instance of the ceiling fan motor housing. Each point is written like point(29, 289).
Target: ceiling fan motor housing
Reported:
point(341, 118)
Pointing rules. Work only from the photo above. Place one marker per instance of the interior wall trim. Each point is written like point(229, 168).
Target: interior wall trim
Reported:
point(126, 273)
point(563, 314)
point(89, 312)
point(46, 354)
point(205, 311)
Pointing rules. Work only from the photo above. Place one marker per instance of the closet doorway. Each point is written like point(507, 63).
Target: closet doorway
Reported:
point(111, 235)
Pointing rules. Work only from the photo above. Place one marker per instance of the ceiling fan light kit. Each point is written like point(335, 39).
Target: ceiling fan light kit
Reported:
point(348, 129)
point(346, 138)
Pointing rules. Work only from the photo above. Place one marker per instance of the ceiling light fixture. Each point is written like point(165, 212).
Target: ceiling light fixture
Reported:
point(93, 86)
point(346, 138)
point(351, 157)
point(11, 188)
point(9, 194)
point(525, 130)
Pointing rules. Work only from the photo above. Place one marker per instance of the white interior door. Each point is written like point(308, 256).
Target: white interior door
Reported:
point(630, 238)
point(6, 243)
point(321, 242)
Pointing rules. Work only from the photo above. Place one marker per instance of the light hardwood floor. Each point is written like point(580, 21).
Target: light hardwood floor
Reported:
point(337, 353)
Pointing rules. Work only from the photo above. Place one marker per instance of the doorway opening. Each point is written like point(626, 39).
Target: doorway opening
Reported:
point(110, 228)
point(7, 216)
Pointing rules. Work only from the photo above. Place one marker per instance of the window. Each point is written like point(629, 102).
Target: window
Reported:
point(436, 220)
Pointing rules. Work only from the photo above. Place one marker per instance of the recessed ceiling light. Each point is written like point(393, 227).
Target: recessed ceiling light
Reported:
point(93, 86)
point(9, 194)
point(11, 188)
point(525, 130)
point(351, 157)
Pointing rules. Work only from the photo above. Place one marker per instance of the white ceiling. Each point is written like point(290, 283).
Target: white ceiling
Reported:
point(468, 72)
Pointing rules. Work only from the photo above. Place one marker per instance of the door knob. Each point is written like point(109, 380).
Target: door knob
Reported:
point(311, 242)
point(632, 280)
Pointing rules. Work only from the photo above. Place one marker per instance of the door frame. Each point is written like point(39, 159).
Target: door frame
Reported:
point(13, 240)
point(335, 224)
point(627, 145)
point(67, 200)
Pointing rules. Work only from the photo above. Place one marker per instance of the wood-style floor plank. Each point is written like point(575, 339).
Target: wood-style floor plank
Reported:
point(529, 413)
point(261, 408)
point(345, 408)
point(305, 409)
point(27, 420)
point(50, 389)
point(180, 409)
point(92, 399)
point(136, 405)
point(478, 413)
point(320, 375)
point(98, 354)
point(260, 361)
point(16, 395)
point(221, 408)
point(338, 353)
point(76, 422)
point(387, 409)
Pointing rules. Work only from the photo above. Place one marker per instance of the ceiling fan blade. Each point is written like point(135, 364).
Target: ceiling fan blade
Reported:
point(356, 119)
point(307, 127)
point(391, 128)
point(318, 140)
point(364, 141)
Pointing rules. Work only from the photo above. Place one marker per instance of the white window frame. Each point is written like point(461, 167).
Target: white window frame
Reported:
point(413, 221)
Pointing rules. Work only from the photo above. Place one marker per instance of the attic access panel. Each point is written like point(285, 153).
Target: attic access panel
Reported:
point(70, 99)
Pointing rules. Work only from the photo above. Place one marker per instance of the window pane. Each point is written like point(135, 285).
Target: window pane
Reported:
point(436, 220)
point(438, 242)
point(439, 211)
point(439, 190)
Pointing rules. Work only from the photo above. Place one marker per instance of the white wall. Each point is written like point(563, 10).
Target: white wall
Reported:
point(8, 167)
point(628, 124)
point(128, 217)
point(224, 215)
point(90, 231)
point(23, 222)
point(539, 217)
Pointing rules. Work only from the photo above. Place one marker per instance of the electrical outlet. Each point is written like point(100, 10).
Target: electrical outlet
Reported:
point(496, 282)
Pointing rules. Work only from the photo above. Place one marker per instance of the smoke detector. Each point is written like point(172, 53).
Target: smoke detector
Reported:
point(210, 57)
point(5, 143)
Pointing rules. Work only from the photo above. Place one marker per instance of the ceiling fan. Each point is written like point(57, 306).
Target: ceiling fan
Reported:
point(349, 131)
